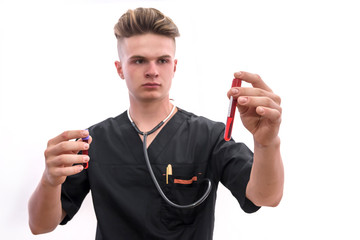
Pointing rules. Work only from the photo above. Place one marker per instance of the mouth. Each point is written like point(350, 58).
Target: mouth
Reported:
point(151, 85)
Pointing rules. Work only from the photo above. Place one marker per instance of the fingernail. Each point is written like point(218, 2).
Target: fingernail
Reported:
point(260, 110)
point(234, 91)
point(238, 73)
point(242, 99)
point(85, 132)
point(86, 158)
point(86, 146)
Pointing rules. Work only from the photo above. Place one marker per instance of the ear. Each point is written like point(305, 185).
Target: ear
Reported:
point(119, 69)
point(175, 63)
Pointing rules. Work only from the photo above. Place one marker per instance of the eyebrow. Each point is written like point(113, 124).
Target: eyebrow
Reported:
point(142, 57)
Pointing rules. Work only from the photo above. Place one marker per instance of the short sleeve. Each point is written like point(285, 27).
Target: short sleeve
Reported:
point(233, 163)
point(73, 191)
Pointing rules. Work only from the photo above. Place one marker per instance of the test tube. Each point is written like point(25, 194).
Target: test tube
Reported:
point(85, 152)
point(231, 111)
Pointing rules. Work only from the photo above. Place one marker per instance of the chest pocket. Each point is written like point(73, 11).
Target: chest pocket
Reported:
point(185, 186)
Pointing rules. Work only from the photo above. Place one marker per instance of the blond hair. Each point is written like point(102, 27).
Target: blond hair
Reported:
point(145, 20)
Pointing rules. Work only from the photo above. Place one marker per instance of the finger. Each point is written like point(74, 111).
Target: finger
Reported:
point(68, 160)
point(252, 78)
point(258, 101)
point(66, 171)
point(89, 140)
point(66, 147)
point(237, 92)
point(233, 92)
point(272, 114)
point(68, 135)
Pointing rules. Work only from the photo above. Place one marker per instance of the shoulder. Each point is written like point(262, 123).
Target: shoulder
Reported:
point(200, 124)
point(194, 119)
point(109, 124)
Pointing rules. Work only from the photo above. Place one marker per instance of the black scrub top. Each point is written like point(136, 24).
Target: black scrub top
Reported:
point(126, 202)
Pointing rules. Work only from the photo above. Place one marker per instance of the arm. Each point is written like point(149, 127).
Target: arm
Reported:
point(45, 210)
point(260, 113)
point(265, 187)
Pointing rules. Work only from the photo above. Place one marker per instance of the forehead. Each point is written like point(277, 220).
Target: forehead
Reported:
point(147, 45)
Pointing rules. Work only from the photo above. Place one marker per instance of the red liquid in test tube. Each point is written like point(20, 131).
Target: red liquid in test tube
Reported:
point(231, 112)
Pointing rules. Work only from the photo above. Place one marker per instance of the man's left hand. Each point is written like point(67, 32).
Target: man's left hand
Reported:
point(259, 108)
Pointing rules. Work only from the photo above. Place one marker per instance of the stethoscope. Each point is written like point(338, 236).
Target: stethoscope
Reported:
point(145, 134)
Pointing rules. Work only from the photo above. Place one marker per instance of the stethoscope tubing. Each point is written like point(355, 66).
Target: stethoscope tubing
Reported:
point(145, 134)
point(162, 194)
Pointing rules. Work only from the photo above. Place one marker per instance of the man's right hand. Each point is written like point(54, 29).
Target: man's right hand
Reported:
point(61, 154)
point(61, 160)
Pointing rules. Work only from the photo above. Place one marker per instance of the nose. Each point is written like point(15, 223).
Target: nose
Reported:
point(152, 71)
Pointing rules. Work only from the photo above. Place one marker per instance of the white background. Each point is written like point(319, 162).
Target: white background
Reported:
point(57, 73)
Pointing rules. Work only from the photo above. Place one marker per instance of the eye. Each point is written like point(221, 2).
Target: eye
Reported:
point(139, 61)
point(163, 60)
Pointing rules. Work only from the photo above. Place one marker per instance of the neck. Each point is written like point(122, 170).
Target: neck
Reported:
point(149, 114)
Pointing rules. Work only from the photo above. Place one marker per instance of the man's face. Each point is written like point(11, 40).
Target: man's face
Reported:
point(148, 66)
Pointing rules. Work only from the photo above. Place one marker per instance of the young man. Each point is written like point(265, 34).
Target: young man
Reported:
point(127, 203)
